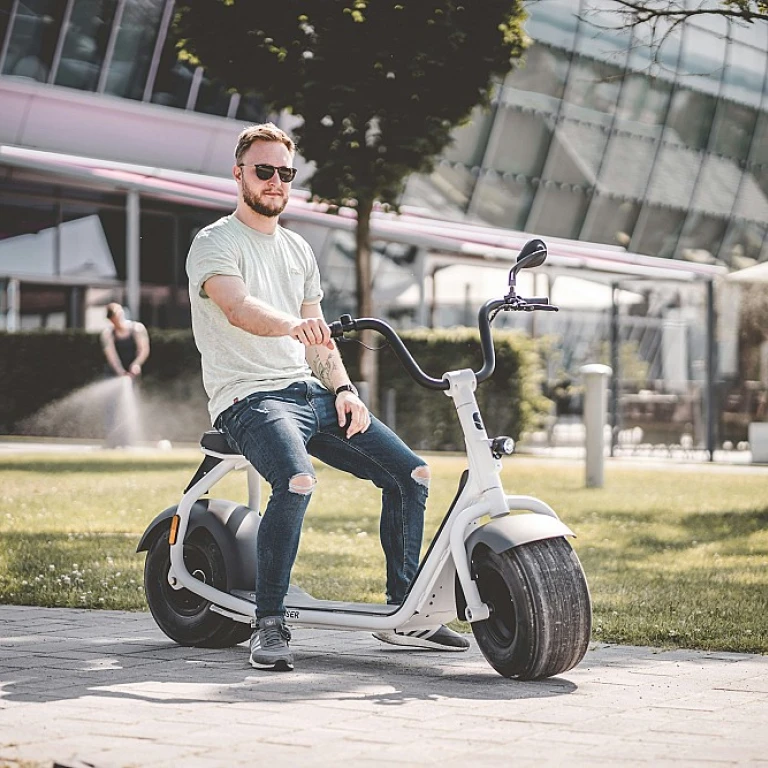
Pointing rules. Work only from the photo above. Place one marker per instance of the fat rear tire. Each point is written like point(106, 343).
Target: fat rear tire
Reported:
point(541, 613)
point(185, 617)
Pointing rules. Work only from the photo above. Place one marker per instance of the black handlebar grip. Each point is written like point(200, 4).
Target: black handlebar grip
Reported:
point(340, 326)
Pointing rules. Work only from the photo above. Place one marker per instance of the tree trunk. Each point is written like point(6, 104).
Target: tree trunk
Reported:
point(368, 360)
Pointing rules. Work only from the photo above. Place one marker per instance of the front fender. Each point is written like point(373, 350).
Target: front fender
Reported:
point(504, 533)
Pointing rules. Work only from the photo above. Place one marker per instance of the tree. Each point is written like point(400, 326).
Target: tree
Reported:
point(665, 15)
point(379, 85)
point(657, 21)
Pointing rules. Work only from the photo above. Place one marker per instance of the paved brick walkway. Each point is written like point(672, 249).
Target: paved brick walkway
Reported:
point(106, 688)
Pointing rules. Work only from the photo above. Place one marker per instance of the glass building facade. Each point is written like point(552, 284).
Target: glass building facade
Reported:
point(601, 137)
point(117, 47)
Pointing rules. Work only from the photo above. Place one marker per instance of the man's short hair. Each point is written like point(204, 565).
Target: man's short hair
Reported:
point(113, 309)
point(262, 132)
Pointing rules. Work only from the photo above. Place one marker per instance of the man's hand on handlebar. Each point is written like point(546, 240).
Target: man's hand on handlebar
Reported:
point(350, 408)
point(312, 331)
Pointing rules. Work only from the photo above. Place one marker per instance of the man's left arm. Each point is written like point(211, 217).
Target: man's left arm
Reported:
point(328, 366)
point(142, 349)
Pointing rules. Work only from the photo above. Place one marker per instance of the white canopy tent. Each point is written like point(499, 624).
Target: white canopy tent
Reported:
point(73, 249)
point(755, 274)
point(475, 283)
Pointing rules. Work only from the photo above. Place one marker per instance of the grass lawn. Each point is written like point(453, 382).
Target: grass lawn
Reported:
point(674, 556)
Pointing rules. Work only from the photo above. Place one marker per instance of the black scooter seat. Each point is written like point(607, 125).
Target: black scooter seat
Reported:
point(213, 440)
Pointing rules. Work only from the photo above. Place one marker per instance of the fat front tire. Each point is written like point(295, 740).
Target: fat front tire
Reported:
point(185, 617)
point(541, 612)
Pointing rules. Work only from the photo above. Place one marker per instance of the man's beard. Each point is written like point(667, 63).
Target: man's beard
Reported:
point(259, 207)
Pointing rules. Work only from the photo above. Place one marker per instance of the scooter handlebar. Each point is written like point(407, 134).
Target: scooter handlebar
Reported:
point(346, 323)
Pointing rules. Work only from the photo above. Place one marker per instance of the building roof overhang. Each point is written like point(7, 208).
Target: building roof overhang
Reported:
point(445, 242)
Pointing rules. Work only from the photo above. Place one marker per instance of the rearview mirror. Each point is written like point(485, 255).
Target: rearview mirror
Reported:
point(533, 254)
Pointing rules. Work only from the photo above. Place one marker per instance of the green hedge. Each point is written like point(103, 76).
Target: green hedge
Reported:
point(46, 386)
point(37, 368)
point(510, 401)
point(41, 373)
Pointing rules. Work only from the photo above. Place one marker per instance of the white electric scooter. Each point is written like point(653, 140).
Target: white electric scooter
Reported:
point(501, 562)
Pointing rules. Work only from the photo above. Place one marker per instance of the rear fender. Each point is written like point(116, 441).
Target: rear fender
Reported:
point(234, 528)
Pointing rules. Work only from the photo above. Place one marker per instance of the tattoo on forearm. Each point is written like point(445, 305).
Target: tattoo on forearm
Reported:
point(324, 369)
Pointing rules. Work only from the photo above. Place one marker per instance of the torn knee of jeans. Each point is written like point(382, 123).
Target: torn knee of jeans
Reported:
point(421, 475)
point(302, 484)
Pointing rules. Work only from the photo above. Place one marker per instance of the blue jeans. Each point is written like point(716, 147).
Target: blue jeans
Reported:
point(277, 432)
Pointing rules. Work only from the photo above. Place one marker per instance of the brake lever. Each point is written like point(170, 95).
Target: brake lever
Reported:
point(543, 307)
point(519, 304)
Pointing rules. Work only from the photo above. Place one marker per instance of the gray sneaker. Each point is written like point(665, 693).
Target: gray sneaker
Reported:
point(269, 645)
point(438, 639)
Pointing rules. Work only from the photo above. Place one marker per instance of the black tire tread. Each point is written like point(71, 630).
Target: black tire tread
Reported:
point(553, 610)
point(561, 600)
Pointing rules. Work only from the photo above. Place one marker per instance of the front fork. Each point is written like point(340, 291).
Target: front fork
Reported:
point(485, 482)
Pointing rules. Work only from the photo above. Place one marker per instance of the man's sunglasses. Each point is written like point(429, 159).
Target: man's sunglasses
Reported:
point(265, 172)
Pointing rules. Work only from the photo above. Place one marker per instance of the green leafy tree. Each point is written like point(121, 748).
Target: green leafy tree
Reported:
point(379, 85)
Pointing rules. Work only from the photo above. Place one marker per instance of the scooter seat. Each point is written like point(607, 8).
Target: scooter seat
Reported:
point(213, 440)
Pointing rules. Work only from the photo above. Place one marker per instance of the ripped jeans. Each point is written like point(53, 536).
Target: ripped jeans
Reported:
point(277, 432)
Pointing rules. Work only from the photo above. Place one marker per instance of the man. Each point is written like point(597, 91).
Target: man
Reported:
point(279, 391)
point(126, 348)
point(125, 343)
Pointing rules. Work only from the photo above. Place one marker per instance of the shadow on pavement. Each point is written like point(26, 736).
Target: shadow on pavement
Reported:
point(330, 665)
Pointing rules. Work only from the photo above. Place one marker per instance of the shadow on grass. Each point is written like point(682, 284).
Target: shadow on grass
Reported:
point(636, 541)
point(713, 526)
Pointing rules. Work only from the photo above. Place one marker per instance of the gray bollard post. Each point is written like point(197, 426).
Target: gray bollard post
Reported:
point(365, 391)
point(595, 411)
point(390, 409)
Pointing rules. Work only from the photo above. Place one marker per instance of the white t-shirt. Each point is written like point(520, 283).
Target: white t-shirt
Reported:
point(278, 269)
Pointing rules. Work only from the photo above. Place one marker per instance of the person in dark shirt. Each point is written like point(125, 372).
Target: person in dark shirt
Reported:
point(125, 343)
point(126, 347)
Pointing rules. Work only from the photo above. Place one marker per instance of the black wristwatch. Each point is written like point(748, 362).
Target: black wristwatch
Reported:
point(347, 388)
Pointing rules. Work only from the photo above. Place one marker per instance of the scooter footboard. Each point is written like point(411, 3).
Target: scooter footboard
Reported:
point(503, 533)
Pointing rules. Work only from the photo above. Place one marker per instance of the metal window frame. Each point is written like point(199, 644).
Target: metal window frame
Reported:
point(534, 211)
point(8, 32)
point(194, 89)
point(643, 214)
point(748, 165)
point(707, 152)
point(60, 43)
point(111, 43)
point(162, 35)
point(594, 193)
